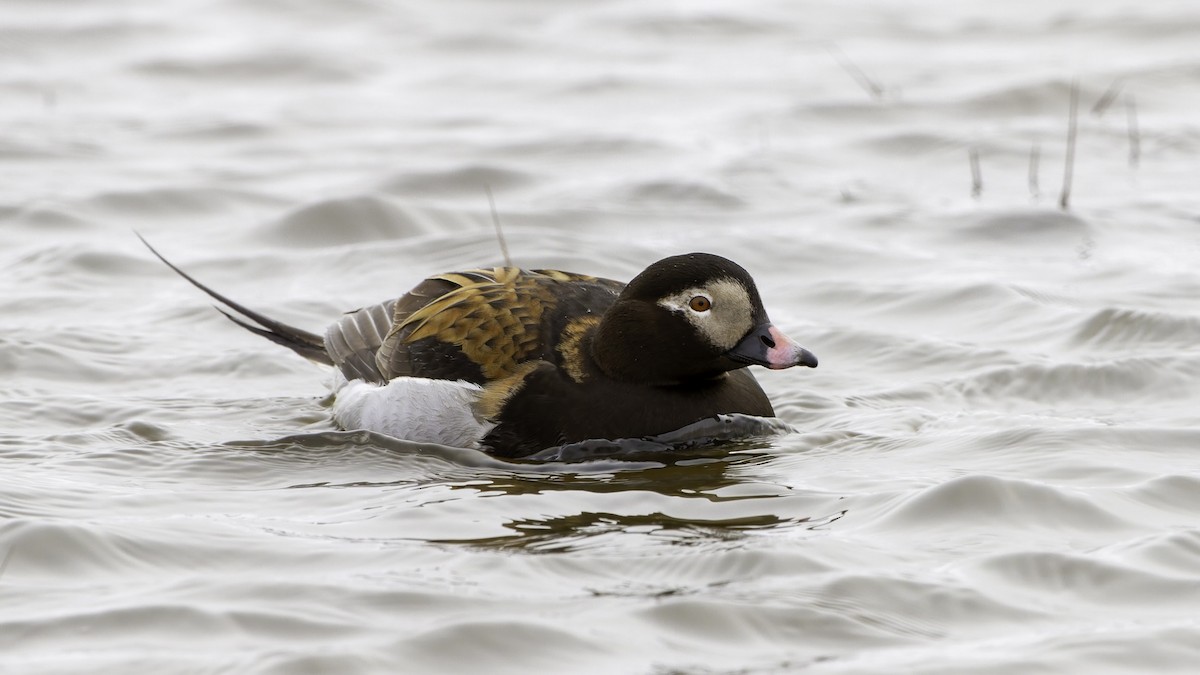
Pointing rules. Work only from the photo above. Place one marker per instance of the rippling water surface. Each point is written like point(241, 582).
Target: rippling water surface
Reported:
point(996, 469)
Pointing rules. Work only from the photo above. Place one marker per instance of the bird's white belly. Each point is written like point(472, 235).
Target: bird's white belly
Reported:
point(412, 408)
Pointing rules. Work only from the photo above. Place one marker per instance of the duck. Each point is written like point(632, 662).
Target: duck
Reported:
point(513, 361)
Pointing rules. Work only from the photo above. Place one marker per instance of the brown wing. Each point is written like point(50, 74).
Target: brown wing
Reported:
point(480, 325)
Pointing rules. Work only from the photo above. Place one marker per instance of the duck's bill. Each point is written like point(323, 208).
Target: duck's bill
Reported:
point(767, 346)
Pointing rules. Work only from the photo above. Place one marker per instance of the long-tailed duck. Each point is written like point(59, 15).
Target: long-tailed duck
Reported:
point(514, 361)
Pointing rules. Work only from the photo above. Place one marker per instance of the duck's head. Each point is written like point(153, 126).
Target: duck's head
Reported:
point(691, 317)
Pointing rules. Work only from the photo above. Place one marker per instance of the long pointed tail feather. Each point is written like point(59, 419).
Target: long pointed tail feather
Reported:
point(309, 345)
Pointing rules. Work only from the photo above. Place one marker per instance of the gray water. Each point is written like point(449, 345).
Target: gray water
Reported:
point(996, 469)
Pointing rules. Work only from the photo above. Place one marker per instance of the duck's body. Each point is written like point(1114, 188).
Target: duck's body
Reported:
point(516, 361)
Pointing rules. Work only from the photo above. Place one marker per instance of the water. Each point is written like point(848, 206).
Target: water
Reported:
point(994, 468)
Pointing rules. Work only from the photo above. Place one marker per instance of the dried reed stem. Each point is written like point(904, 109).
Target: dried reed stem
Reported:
point(496, 222)
point(976, 174)
point(1064, 201)
point(1035, 159)
point(1106, 99)
point(1135, 136)
point(870, 86)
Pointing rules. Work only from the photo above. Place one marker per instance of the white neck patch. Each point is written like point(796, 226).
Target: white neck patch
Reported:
point(730, 313)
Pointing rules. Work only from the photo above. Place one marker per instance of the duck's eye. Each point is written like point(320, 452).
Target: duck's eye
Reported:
point(700, 304)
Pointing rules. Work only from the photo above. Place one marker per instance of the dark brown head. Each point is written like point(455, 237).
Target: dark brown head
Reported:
point(690, 317)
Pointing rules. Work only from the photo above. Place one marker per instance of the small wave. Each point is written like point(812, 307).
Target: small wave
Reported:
point(1122, 328)
point(83, 35)
point(279, 66)
point(1134, 26)
point(905, 353)
point(156, 203)
point(589, 147)
point(701, 22)
point(701, 620)
point(676, 194)
point(47, 216)
point(1059, 577)
point(207, 130)
point(108, 628)
point(1003, 503)
point(14, 149)
point(133, 433)
point(513, 645)
point(72, 357)
point(1171, 553)
point(75, 266)
point(913, 608)
point(468, 181)
point(64, 549)
point(1174, 493)
point(1023, 227)
point(1006, 101)
point(1125, 380)
point(358, 219)
point(908, 143)
point(945, 304)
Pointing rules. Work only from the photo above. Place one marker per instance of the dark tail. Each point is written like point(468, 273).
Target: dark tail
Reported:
point(306, 344)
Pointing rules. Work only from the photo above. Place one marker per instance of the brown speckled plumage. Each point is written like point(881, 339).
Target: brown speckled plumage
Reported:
point(570, 346)
point(497, 318)
point(479, 325)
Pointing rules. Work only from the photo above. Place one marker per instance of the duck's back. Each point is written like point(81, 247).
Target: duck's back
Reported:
point(478, 325)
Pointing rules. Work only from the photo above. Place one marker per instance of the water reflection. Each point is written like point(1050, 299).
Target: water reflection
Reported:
point(694, 461)
point(674, 472)
point(682, 476)
point(593, 530)
point(713, 495)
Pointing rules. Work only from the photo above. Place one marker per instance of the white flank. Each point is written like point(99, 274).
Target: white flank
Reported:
point(413, 409)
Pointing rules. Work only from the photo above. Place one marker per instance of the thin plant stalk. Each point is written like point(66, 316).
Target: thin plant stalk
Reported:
point(869, 85)
point(496, 222)
point(976, 174)
point(1064, 200)
point(1135, 136)
point(1035, 159)
point(1108, 97)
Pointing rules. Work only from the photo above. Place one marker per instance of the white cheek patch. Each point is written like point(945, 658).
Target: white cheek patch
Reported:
point(726, 322)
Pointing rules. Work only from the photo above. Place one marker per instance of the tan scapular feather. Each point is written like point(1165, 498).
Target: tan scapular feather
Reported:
point(569, 346)
point(497, 393)
point(493, 316)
